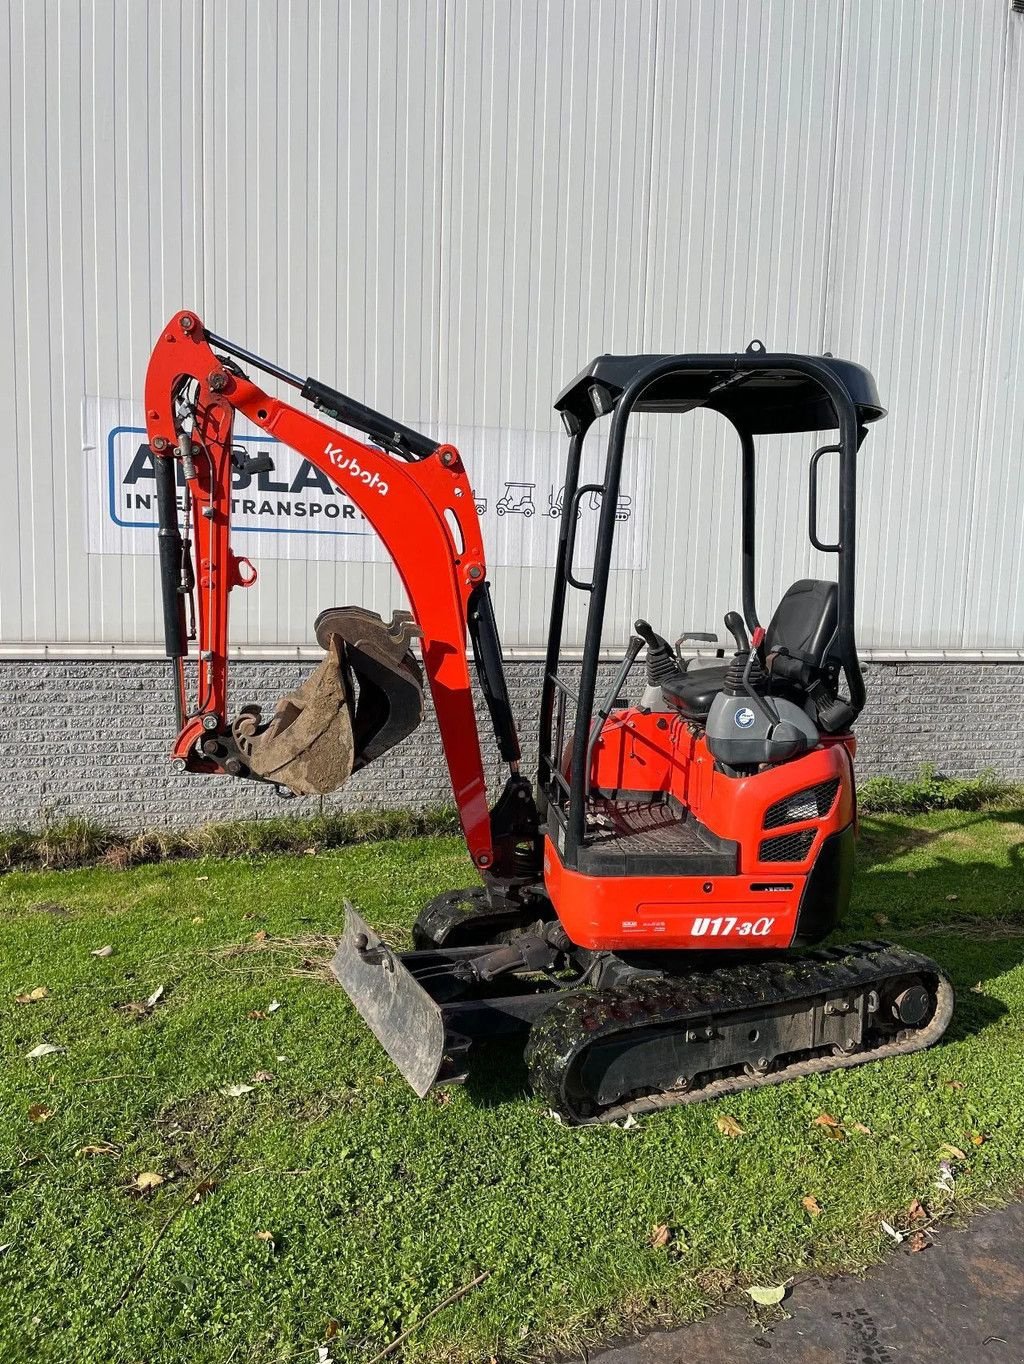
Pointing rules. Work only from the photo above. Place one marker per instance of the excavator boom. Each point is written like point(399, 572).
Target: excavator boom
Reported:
point(416, 496)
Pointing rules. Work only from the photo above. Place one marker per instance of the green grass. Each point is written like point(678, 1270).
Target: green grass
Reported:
point(381, 1206)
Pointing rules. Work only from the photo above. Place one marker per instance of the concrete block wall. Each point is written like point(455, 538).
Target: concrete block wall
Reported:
point(91, 738)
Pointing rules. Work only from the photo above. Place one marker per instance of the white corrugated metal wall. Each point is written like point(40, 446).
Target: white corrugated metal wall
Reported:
point(448, 206)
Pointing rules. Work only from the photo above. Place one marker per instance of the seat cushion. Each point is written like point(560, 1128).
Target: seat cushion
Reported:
point(693, 692)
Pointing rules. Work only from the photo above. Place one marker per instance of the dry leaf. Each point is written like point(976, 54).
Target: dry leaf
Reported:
point(44, 1049)
point(135, 1008)
point(812, 1205)
point(236, 1091)
point(952, 897)
point(203, 1190)
point(919, 1241)
point(273, 1006)
point(33, 996)
point(825, 1120)
point(660, 1236)
point(107, 951)
point(148, 1180)
point(860, 1127)
point(890, 1230)
point(263, 1077)
point(953, 1084)
point(882, 920)
point(916, 1212)
point(728, 1127)
point(953, 1152)
point(977, 1138)
point(39, 1112)
point(767, 1296)
point(256, 1013)
point(100, 1148)
point(267, 1237)
point(260, 935)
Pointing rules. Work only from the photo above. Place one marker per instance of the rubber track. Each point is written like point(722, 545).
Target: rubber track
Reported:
point(558, 1040)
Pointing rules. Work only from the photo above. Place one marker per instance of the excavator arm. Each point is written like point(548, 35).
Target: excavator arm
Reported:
point(415, 495)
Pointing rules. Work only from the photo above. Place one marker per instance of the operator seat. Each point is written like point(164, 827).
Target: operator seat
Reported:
point(799, 635)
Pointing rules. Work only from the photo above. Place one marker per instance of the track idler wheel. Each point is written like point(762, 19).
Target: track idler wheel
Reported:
point(365, 697)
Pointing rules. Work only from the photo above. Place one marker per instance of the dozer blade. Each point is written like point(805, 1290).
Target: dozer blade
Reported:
point(407, 1022)
point(364, 698)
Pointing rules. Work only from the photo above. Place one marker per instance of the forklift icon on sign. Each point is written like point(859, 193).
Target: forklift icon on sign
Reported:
point(517, 497)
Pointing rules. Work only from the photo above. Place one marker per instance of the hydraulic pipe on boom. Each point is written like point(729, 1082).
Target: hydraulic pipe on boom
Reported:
point(412, 491)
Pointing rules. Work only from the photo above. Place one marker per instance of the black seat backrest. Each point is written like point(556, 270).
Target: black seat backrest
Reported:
point(804, 626)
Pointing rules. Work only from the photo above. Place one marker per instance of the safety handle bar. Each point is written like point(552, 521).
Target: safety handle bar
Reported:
point(570, 544)
point(812, 500)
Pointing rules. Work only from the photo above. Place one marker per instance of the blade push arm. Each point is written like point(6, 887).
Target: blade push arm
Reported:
point(423, 511)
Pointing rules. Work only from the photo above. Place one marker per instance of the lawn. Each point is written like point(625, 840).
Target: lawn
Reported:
point(325, 1206)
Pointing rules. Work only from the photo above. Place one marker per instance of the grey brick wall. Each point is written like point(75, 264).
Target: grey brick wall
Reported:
point(91, 737)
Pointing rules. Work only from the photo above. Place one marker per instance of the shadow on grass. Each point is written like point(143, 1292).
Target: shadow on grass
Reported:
point(497, 1074)
point(882, 839)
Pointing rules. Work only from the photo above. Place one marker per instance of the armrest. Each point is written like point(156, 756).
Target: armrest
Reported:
point(701, 637)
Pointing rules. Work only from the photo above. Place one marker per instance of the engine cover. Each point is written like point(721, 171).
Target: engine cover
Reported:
point(739, 734)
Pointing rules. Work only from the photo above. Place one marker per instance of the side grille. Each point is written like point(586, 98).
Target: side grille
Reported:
point(787, 847)
point(814, 802)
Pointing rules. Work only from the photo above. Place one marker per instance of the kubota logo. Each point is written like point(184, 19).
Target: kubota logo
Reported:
point(347, 464)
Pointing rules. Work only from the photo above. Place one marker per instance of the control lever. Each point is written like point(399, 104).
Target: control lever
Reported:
point(636, 643)
point(764, 705)
point(734, 624)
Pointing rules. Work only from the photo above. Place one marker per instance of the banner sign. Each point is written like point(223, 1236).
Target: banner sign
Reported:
point(296, 512)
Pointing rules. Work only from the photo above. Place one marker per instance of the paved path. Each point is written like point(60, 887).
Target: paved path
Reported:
point(962, 1300)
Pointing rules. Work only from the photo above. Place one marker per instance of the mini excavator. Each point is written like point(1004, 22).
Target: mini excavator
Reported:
point(651, 909)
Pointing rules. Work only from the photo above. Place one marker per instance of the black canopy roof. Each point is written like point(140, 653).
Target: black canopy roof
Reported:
point(773, 397)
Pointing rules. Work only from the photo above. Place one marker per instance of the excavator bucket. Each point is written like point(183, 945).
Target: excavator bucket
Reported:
point(364, 698)
point(388, 704)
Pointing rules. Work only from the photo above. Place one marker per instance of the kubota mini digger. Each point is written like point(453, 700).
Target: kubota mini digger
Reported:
point(641, 902)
